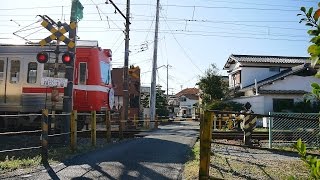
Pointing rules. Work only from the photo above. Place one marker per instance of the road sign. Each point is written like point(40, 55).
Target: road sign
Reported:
point(54, 82)
point(58, 33)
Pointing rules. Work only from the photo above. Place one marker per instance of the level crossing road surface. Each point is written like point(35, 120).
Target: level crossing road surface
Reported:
point(159, 154)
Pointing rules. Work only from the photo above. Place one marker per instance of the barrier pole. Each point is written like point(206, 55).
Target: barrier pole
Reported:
point(205, 144)
point(73, 138)
point(44, 136)
point(93, 128)
point(108, 125)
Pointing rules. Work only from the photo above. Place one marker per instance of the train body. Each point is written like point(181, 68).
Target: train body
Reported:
point(21, 90)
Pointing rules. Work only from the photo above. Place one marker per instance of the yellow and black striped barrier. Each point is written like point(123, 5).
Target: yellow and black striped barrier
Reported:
point(249, 123)
point(44, 136)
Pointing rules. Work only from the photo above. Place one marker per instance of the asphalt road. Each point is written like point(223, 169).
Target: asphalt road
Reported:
point(160, 154)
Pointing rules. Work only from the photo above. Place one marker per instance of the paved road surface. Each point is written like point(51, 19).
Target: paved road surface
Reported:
point(159, 155)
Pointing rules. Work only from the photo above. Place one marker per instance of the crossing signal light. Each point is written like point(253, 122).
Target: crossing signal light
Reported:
point(42, 57)
point(67, 58)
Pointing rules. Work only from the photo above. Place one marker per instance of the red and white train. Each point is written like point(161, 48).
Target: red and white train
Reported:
point(21, 91)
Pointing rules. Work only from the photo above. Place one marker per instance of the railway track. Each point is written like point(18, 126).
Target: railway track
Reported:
point(235, 135)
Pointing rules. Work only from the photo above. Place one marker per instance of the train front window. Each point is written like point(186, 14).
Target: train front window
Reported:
point(32, 72)
point(105, 73)
point(14, 71)
point(82, 73)
point(1, 70)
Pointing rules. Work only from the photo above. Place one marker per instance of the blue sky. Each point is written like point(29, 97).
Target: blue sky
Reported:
point(193, 33)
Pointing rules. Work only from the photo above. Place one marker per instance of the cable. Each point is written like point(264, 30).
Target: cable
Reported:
point(43, 7)
point(219, 7)
point(182, 48)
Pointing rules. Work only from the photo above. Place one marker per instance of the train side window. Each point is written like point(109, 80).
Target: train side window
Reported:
point(82, 73)
point(14, 71)
point(32, 72)
point(48, 70)
point(1, 70)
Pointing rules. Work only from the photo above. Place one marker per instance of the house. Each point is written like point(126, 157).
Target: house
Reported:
point(187, 99)
point(133, 90)
point(267, 81)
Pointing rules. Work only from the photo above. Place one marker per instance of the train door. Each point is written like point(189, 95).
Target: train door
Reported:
point(2, 79)
point(81, 95)
point(10, 80)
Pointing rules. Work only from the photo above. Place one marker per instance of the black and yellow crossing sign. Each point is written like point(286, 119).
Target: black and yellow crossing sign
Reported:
point(58, 33)
point(134, 72)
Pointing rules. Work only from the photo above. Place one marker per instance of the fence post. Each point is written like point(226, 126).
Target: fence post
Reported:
point(120, 125)
point(270, 131)
point(93, 128)
point(135, 120)
point(205, 144)
point(44, 136)
point(108, 125)
point(73, 138)
point(145, 121)
point(156, 123)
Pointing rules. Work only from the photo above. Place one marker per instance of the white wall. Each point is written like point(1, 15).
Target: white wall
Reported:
point(268, 100)
point(257, 103)
point(292, 83)
point(249, 74)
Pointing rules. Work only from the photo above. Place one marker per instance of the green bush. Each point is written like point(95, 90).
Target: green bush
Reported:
point(225, 106)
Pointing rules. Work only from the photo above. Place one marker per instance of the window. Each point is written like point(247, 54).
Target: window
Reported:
point(48, 70)
point(105, 73)
point(274, 69)
point(14, 71)
point(32, 72)
point(1, 70)
point(281, 105)
point(236, 79)
point(82, 73)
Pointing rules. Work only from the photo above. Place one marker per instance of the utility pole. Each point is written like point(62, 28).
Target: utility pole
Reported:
point(154, 69)
point(126, 64)
point(68, 99)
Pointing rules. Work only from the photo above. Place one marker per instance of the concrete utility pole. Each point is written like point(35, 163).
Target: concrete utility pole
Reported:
point(154, 70)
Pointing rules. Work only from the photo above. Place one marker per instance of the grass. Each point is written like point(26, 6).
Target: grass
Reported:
point(232, 166)
point(32, 158)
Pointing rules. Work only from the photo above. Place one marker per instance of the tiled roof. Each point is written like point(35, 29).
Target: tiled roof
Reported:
point(193, 91)
point(282, 92)
point(265, 59)
point(276, 77)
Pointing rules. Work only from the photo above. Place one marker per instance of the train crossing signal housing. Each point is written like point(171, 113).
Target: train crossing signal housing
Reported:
point(42, 57)
point(67, 58)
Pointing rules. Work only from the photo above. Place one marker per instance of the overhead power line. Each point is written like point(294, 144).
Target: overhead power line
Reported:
point(219, 7)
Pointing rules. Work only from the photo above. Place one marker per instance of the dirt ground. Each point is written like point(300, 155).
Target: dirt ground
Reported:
point(235, 162)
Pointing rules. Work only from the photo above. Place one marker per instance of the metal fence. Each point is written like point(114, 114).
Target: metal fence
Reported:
point(286, 128)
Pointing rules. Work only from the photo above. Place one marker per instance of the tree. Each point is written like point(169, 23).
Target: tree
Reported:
point(312, 20)
point(212, 85)
point(161, 103)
